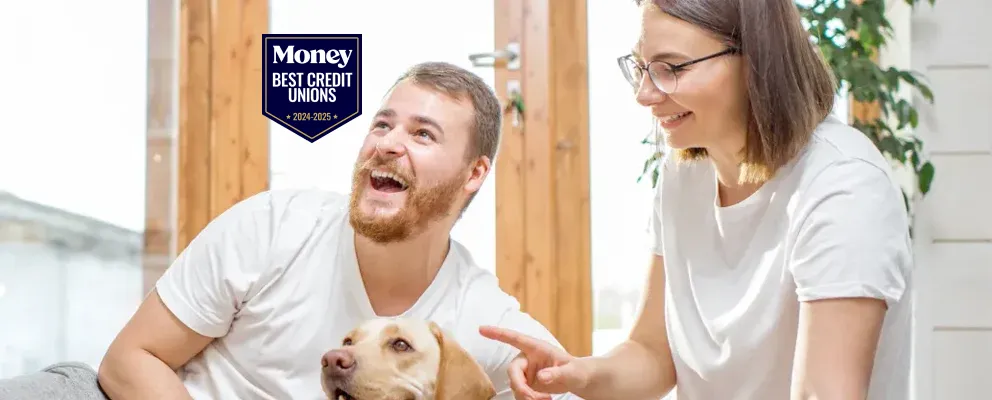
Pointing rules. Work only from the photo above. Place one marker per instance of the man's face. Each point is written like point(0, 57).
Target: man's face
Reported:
point(412, 168)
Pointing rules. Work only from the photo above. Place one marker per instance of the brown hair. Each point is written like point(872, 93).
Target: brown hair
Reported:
point(459, 83)
point(790, 87)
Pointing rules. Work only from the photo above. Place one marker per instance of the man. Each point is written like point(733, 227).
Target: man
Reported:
point(249, 308)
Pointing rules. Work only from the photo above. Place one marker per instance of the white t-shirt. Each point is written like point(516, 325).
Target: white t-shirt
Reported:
point(830, 224)
point(275, 279)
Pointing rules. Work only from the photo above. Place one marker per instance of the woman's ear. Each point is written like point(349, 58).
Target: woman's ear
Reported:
point(459, 376)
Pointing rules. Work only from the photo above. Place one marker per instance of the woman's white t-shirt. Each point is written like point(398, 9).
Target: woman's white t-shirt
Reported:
point(830, 224)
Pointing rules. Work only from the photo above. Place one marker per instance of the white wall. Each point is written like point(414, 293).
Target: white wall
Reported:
point(953, 352)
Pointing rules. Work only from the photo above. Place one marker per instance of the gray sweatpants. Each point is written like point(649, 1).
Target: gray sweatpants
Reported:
point(63, 381)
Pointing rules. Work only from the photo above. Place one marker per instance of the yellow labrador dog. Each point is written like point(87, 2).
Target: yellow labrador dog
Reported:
point(402, 359)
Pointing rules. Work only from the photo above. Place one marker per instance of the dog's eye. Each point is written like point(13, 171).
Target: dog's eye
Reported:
point(401, 345)
point(346, 342)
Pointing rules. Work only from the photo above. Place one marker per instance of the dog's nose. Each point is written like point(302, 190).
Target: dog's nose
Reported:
point(338, 363)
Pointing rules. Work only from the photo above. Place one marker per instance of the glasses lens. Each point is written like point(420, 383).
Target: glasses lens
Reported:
point(663, 77)
point(630, 71)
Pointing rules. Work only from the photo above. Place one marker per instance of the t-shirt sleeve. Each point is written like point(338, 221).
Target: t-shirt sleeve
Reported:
point(854, 238)
point(655, 232)
point(206, 284)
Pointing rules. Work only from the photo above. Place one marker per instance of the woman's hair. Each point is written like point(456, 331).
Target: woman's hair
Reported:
point(790, 87)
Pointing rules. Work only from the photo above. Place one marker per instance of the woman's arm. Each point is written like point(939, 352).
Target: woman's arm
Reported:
point(851, 262)
point(835, 349)
point(642, 366)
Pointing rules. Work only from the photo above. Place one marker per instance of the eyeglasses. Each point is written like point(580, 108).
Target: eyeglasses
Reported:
point(664, 75)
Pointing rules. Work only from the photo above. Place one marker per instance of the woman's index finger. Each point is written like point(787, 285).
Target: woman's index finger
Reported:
point(516, 339)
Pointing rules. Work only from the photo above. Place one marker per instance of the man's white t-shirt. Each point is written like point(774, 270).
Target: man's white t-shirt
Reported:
point(830, 224)
point(275, 279)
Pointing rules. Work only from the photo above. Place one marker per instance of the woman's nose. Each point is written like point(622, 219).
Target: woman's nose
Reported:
point(648, 94)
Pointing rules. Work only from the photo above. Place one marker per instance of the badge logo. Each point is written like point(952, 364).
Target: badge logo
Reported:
point(311, 84)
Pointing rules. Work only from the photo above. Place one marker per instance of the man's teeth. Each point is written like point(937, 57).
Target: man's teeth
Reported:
point(381, 174)
point(341, 397)
point(676, 117)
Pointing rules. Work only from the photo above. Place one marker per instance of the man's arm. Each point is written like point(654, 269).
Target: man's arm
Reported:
point(194, 302)
point(141, 362)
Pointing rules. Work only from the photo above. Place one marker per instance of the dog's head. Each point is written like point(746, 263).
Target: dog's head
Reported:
point(402, 359)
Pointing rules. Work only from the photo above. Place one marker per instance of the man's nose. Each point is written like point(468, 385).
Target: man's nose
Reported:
point(389, 148)
point(338, 363)
point(392, 143)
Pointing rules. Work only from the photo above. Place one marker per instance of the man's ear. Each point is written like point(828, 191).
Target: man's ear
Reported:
point(477, 175)
point(459, 377)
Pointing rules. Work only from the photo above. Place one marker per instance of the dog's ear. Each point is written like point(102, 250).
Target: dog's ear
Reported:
point(459, 377)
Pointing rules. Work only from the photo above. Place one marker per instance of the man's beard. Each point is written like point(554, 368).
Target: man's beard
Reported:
point(423, 205)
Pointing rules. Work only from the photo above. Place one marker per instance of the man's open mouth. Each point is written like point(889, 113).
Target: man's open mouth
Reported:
point(387, 182)
point(342, 395)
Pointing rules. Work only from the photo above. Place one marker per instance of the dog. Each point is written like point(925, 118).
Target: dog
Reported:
point(402, 359)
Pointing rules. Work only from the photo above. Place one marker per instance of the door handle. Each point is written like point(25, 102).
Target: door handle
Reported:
point(510, 55)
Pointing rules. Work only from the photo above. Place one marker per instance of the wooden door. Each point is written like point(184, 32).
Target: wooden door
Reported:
point(542, 179)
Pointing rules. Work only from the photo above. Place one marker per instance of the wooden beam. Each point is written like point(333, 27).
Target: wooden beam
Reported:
point(223, 136)
point(222, 141)
point(568, 55)
point(543, 228)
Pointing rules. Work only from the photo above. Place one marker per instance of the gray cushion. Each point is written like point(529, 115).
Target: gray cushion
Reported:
point(62, 381)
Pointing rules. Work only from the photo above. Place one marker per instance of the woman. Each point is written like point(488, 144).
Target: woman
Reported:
point(781, 258)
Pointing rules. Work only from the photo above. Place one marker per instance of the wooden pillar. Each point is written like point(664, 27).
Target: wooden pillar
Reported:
point(542, 178)
point(219, 135)
point(223, 136)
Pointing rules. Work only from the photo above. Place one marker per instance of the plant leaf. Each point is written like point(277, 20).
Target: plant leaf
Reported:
point(925, 177)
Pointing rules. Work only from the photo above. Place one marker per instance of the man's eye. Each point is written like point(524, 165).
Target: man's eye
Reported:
point(425, 134)
point(346, 342)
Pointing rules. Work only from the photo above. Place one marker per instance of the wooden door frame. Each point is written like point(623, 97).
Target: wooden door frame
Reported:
point(542, 180)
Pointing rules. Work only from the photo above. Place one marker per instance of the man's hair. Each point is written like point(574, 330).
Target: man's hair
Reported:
point(790, 87)
point(461, 84)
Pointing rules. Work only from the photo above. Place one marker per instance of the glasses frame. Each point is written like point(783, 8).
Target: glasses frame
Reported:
point(675, 68)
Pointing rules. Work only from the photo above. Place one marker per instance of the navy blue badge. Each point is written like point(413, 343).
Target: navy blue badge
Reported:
point(311, 84)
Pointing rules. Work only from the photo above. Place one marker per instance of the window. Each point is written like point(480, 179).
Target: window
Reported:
point(72, 179)
point(621, 206)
